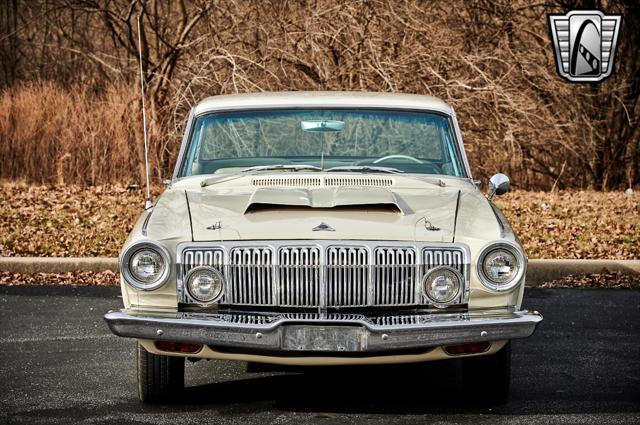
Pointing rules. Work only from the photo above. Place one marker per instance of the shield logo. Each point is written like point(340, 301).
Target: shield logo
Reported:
point(323, 227)
point(584, 44)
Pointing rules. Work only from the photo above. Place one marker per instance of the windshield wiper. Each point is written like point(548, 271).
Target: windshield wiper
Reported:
point(299, 167)
point(365, 169)
point(291, 167)
point(256, 169)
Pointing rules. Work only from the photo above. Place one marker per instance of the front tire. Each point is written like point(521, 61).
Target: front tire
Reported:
point(160, 378)
point(488, 377)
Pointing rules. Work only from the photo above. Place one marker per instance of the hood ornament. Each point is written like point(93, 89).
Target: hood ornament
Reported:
point(215, 226)
point(430, 227)
point(427, 224)
point(323, 227)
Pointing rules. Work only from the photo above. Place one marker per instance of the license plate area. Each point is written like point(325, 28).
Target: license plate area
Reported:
point(323, 338)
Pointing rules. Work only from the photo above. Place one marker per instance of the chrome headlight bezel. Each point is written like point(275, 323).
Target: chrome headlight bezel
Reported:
point(130, 278)
point(451, 300)
point(512, 249)
point(197, 301)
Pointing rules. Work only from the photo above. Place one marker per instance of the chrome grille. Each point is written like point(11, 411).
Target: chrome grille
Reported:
point(394, 276)
point(397, 320)
point(299, 276)
point(324, 274)
point(247, 319)
point(443, 257)
point(347, 276)
point(338, 317)
point(250, 277)
point(269, 318)
point(203, 257)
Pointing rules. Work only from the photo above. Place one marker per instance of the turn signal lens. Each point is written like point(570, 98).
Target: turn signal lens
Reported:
point(178, 347)
point(471, 348)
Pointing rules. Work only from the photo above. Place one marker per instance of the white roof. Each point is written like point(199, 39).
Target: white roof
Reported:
point(327, 99)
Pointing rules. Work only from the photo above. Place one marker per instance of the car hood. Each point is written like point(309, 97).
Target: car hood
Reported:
point(422, 213)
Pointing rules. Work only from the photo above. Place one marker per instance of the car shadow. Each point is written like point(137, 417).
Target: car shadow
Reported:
point(434, 387)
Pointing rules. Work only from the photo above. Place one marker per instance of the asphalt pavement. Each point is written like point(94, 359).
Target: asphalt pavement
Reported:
point(60, 364)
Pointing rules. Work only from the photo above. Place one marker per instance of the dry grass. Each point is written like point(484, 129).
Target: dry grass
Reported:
point(49, 221)
point(56, 136)
point(105, 278)
point(69, 222)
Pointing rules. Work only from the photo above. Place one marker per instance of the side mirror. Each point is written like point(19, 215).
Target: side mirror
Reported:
point(498, 185)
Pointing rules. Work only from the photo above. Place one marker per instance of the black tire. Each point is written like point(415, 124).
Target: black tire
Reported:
point(160, 378)
point(488, 377)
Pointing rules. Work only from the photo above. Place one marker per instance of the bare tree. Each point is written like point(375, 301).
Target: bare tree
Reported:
point(492, 60)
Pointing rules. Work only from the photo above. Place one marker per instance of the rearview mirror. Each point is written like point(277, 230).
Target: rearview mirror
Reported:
point(498, 185)
point(322, 126)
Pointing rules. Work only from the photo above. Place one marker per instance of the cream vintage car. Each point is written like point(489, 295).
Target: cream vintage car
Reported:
point(323, 228)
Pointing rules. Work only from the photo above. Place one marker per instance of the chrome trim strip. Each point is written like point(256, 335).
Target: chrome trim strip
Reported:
point(183, 146)
point(146, 221)
point(447, 112)
point(462, 152)
point(378, 333)
point(506, 231)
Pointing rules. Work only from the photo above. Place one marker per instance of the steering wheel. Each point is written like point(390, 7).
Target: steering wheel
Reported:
point(388, 157)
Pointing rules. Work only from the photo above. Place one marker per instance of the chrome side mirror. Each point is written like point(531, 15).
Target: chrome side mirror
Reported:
point(498, 185)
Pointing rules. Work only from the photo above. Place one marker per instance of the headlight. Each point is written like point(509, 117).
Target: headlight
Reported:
point(501, 266)
point(442, 284)
point(205, 284)
point(145, 265)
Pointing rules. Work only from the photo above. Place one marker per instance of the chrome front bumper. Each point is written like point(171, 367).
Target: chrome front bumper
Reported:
point(310, 332)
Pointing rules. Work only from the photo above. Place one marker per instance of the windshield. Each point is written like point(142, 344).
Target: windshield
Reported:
point(322, 139)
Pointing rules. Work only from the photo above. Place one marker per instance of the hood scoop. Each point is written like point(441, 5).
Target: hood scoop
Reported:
point(377, 208)
point(372, 199)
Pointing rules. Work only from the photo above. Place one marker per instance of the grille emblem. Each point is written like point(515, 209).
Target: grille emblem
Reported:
point(584, 44)
point(323, 227)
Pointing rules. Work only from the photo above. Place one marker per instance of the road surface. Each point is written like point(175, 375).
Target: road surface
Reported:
point(60, 364)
